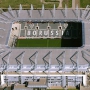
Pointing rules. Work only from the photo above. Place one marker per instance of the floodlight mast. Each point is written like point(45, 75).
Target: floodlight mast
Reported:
point(54, 11)
point(31, 10)
point(20, 8)
point(65, 10)
point(85, 11)
point(42, 13)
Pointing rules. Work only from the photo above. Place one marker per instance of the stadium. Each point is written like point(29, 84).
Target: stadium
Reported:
point(47, 49)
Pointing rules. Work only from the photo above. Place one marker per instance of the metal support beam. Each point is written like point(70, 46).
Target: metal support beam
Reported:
point(88, 16)
point(1, 11)
point(78, 61)
point(36, 60)
point(20, 8)
point(10, 10)
point(77, 56)
point(65, 10)
point(42, 13)
point(63, 60)
point(50, 62)
point(74, 61)
point(54, 11)
point(22, 64)
point(77, 12)
point(45, 61)
point(85, 11)
point(83, 55)
point(31, 7)
point(19, 61)
point(60, 62)
point(8, 64)
point(33, 62)
point(49, 68)
point(31, 10)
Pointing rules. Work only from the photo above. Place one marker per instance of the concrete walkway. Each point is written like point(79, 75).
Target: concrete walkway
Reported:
point(60, 3)
point(73, 3)
point(42, 1)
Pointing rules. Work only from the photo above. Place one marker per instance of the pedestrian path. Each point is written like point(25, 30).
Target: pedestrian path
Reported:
point(60, 3)
point(73, 3)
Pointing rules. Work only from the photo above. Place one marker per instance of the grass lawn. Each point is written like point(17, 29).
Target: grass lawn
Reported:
point(48, 43)
point(67, 2)
point(25, 3)
point(84, 3)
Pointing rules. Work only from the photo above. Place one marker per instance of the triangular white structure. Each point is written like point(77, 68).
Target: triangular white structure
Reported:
point(85, 11)
point(65, 10)
point(31, 10)
point(54, 11)
point(20, 8)
point(77, 12)
point(42, 13)
point(10, 10)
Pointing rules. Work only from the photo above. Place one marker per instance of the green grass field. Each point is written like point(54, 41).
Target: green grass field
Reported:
point(38, 4)
point(25, 3)
point(67, 2)
point(38, 43)
point(84, 3)
point(48, 43)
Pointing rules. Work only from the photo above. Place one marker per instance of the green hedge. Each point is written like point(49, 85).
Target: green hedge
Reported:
point(51, 1)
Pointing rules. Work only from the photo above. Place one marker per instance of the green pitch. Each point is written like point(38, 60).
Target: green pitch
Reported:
point(38, 43)
point(48, 43)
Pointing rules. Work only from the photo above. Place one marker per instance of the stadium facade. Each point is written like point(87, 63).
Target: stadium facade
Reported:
point(43, 67)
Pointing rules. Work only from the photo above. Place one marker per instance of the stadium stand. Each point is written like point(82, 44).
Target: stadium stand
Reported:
point(58, 66)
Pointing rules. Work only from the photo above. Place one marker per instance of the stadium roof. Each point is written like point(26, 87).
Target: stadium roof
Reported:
point(50, 59)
